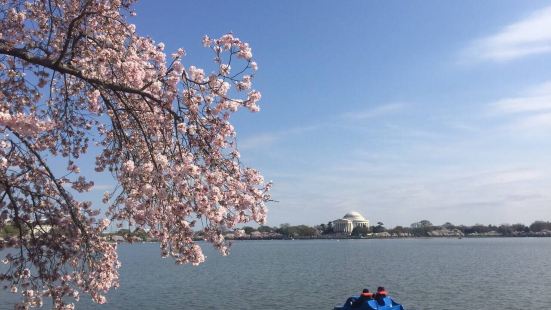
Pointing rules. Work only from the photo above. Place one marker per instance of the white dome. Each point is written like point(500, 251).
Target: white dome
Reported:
point(355, 216)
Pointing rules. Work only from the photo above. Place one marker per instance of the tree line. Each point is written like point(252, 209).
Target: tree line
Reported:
point(417, 229)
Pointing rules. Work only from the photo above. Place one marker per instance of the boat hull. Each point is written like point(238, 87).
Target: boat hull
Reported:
point(384, 304)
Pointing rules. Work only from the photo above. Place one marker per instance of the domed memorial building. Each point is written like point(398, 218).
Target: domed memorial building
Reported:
point(350, 221)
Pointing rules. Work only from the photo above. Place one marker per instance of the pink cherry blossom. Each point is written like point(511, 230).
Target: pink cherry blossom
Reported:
point(76, 78)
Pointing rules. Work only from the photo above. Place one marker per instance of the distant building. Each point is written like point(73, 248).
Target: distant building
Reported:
point(350, 221)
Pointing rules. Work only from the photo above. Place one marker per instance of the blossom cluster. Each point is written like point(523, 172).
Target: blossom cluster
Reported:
point(75, 74)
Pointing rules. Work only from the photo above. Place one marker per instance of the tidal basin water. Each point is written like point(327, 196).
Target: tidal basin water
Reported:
point(493, 274)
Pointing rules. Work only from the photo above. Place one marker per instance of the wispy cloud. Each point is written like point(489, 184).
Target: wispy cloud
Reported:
point(266, 139)
point(377, 111)
point(259, 140)
point(269, 138)
point(534, 99)
point(492, 178)
point(380, 190)
point(529, 110)
point(529, 36)
point(537, 122)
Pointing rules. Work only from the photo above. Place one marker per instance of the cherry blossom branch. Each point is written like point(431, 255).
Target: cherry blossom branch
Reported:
point(75, 72)
point(23, 54)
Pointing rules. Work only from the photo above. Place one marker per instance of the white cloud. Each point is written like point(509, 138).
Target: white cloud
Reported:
point(534, 99)
point(537, 122)
point(541, 89)
point(529, 36)
point(377, 111)
point(530, 110)
point(267, 139)
point(380, 191)
point(502, 177)
point(523, 104)
point(258, 141)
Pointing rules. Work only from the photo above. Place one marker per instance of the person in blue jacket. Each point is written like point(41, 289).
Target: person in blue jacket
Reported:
point(364, 296)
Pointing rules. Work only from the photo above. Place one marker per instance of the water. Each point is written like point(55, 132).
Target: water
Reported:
point(498, 273)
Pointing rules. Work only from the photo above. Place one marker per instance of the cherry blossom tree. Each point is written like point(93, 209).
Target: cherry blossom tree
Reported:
point(76, 77)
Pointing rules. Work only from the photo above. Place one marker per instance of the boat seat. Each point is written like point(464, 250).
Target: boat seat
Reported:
point(373, 303)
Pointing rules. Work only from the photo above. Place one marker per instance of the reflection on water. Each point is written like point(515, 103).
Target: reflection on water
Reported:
point(423, 274)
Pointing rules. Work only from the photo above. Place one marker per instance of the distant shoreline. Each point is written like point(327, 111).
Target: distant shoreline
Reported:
point(325, 232)
point(351, 238)
point(421, 230)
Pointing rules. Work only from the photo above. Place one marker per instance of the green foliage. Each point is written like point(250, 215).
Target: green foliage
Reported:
point(360, 231)
point(297, 231)
point(248, 229)
point(422, 224)
point(379, 228)
point(140, 233)
point(418, 229)
point(9, 230)
point(266, 229)
point(325, 229)
point(123, 232)
point(538, 226)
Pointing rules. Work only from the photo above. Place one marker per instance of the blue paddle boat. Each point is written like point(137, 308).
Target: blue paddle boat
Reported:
point(383, 304)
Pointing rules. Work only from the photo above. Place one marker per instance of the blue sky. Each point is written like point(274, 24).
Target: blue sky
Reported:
point(400, 110)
